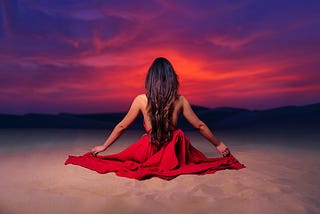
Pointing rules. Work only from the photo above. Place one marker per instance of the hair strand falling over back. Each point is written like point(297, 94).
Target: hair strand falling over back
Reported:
point(162, 91)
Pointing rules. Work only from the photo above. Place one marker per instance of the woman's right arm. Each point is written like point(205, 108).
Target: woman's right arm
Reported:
point(121, 126)
point(193, 119)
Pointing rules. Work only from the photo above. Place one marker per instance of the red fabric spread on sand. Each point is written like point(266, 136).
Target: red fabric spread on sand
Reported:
point(141, 160)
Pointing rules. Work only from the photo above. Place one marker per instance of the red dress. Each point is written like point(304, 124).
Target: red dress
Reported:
point(142, 160)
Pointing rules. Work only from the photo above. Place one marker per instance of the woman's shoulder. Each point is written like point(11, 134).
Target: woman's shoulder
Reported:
point(144, 96)
point(180, 102)
point(141, 98)
point(181, 98)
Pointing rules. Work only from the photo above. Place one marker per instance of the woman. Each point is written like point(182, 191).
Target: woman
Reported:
point(165, 151)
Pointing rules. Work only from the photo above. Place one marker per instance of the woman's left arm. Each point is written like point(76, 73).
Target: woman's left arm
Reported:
point(121, 126)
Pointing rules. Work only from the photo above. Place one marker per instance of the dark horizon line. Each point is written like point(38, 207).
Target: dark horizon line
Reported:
point(193, 106)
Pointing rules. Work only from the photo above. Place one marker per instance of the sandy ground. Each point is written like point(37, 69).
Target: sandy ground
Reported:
point(281, 177)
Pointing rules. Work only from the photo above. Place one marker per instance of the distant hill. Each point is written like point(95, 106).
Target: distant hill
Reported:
point(288, 117)
point(297, 117)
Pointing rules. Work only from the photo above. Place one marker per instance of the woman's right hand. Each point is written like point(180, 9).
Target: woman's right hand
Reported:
point(223, 149)
point(95, 150)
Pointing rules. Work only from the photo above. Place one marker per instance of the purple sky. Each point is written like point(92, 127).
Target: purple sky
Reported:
point(92, 56)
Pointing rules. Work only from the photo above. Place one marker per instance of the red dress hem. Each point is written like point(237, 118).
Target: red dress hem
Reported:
point(142, 160)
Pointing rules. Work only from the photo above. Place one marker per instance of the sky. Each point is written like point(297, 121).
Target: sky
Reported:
point(89, 56)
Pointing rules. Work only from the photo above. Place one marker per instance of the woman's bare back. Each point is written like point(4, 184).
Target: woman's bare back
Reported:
point(175, 115)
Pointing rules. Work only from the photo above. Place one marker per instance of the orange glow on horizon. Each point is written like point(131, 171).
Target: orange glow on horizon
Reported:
point(97, 58)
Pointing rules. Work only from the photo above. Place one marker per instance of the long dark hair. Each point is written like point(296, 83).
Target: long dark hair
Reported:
point(162, 91)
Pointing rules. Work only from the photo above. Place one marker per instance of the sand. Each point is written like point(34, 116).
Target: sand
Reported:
point(278, 179)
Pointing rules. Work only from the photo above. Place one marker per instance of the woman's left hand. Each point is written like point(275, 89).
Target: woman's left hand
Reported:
point(95, 150)
point(223, 149)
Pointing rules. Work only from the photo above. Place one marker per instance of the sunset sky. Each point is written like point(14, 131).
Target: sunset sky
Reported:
point(92, 56)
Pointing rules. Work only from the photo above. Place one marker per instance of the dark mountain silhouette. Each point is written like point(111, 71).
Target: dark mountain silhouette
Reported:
point(297, 117)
